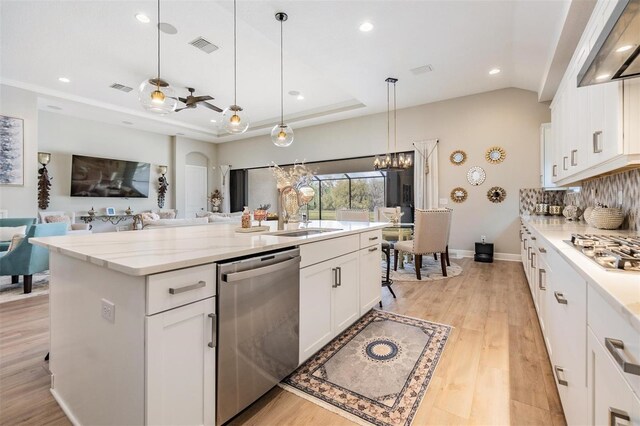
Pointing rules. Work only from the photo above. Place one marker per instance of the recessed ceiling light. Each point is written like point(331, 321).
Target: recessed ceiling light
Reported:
point(143, 18)
point(624, 48)
point(365, 27)
point(603, 76)
point(167, 28)
point(64, 80)
point(300, 97)
point(213, 121)
point(495, 71)
point(294, 92)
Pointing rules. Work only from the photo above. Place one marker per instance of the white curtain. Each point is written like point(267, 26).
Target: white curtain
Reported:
point(425, 174)
point(226, 193)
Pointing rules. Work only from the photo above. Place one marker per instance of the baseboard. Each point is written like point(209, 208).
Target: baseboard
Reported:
point(64, 408)
point(509, 257)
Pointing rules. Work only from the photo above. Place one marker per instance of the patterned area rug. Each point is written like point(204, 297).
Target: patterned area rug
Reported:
point(10, 292)
point(376, 372)
point(430, 271)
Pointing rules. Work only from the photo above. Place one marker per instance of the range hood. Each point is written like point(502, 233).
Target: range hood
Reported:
point(616, 53)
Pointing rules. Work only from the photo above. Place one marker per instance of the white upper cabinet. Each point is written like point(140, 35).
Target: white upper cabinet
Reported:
point(595, 128)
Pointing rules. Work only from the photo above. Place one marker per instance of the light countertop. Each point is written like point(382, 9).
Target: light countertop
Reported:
point(163, 249)
point(620, 289)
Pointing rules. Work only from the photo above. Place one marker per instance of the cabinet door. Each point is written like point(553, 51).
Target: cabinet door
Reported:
point(180, 365)
point(345, 299)
point(315, 308)
point(611, 401)
point(370, 281)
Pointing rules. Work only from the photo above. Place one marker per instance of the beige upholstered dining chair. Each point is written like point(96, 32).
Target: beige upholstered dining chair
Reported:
point(430, 236)
point(352, 215)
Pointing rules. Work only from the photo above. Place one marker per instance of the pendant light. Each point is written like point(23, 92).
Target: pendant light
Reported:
point(392, 161)
point(234, 120)
point(281, 134)
point(155, 94)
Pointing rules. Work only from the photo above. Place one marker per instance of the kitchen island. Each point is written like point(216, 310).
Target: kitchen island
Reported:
point(133, 314)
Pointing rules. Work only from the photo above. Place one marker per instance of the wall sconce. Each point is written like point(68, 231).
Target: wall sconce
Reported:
point(44, 182)
point(163, 184)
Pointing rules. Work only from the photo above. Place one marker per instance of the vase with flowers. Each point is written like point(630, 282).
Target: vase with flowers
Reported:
point(215, 199)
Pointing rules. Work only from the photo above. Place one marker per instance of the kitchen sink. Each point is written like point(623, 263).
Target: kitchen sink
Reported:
point(303, 232)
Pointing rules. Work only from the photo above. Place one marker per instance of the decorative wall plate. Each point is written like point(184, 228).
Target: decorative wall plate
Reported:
point(458, 195)
point(476, 175)
point(495, 155)
point(496, 194)
point(458, 157)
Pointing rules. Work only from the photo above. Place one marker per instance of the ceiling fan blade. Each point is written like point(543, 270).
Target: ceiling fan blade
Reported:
point(183, 100)
point(180, 109)
point(202, 98)
point(213, 107)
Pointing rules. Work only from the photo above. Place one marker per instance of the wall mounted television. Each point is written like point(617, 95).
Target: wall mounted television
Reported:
point(106, 177)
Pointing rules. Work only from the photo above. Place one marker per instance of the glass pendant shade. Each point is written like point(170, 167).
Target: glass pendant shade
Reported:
point(235, 120)
point(282, 135)
point(157, 98)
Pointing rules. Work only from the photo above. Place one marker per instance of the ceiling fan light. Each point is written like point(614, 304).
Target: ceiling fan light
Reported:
point(234, 120)
point(158, 99)
point(282, 135)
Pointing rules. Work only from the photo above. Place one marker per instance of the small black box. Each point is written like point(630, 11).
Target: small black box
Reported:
point(484, 252)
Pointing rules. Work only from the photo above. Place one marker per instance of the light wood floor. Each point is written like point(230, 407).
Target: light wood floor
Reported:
point(494, 371)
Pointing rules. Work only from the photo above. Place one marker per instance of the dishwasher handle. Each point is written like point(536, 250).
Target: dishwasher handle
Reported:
point(253, 273)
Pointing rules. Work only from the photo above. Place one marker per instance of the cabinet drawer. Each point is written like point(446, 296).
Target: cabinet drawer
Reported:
point(370, 238)
point(177, 288)
point(320, 251)
point(606, 323)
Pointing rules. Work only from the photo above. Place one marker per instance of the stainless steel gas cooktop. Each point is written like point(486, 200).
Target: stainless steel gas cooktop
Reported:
point(612, 252)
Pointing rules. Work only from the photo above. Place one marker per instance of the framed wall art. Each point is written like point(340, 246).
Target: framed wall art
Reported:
point(11, 151)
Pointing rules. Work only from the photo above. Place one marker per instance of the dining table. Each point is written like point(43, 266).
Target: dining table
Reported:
point(398, 232)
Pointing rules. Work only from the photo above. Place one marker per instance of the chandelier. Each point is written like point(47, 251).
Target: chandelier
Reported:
point(395, 160)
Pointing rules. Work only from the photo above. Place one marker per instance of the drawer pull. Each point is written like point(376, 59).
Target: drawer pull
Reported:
point(532, 260)
point(373, 238)
point(525, 243)
point(195, 286)
point(555, 170)
point(614, 346)
point(574, 161)
point(564, 163)
point(540, 272)
point(597, 142)
point(542, 249)
point(533, 238)
point(335, 277)
point(339, 268)
point(615, 414)
point(560, 298)
point(373, 249)
point(214, 337)
point(559, 370)
point(529, 253)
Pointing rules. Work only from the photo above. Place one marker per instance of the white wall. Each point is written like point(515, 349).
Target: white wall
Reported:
point(21, 201)
point(182, 148)
point(509, 118)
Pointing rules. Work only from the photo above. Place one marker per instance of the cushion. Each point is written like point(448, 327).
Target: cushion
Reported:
point(57, 219)
point(405, 246)
point(203, 214)
point(147, 216)
point(15, 240)
point(167, 215)
point(7, 232)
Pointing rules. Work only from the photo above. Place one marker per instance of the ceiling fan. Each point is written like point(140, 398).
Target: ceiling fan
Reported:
point(191, 101)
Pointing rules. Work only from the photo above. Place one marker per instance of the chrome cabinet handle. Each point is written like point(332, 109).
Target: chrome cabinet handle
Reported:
point(195, 286)
point(564, 163)
point(533, 238)
point(373, 238)
point(214, 337)
point(614, 346)
point(615, 414)
point(529, 253)
point(560, 298)
point(540, 272)
point(554, 173)
point(532, 260)
point(525, 243)
point(574, 161)
point(597, 142)
point(542, 249)
point(339, 268)
point(373, 249)
point(559, 370)
point(335, 277)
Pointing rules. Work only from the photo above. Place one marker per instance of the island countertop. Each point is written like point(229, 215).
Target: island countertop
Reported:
point(620, 289)
point(163, 249)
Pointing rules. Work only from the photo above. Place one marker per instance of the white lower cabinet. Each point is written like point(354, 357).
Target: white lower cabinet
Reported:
point(329, 301)
point(611, 401)
point(370, 282)
point(180, 368)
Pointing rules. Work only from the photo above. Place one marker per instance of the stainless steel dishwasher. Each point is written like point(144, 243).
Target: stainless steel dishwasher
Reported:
point(258, 328)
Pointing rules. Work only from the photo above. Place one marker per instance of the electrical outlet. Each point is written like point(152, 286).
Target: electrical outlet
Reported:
point(444, 201)
point(483, 238)
point(108, 310)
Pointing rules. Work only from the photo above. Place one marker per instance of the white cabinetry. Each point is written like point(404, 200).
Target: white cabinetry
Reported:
point(180, 367)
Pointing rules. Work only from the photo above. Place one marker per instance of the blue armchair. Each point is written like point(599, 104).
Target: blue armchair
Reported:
point(27, 259)
point(11, 222)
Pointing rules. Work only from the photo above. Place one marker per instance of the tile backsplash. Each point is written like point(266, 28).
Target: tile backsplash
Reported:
point(605, 190)
point(529, 197)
